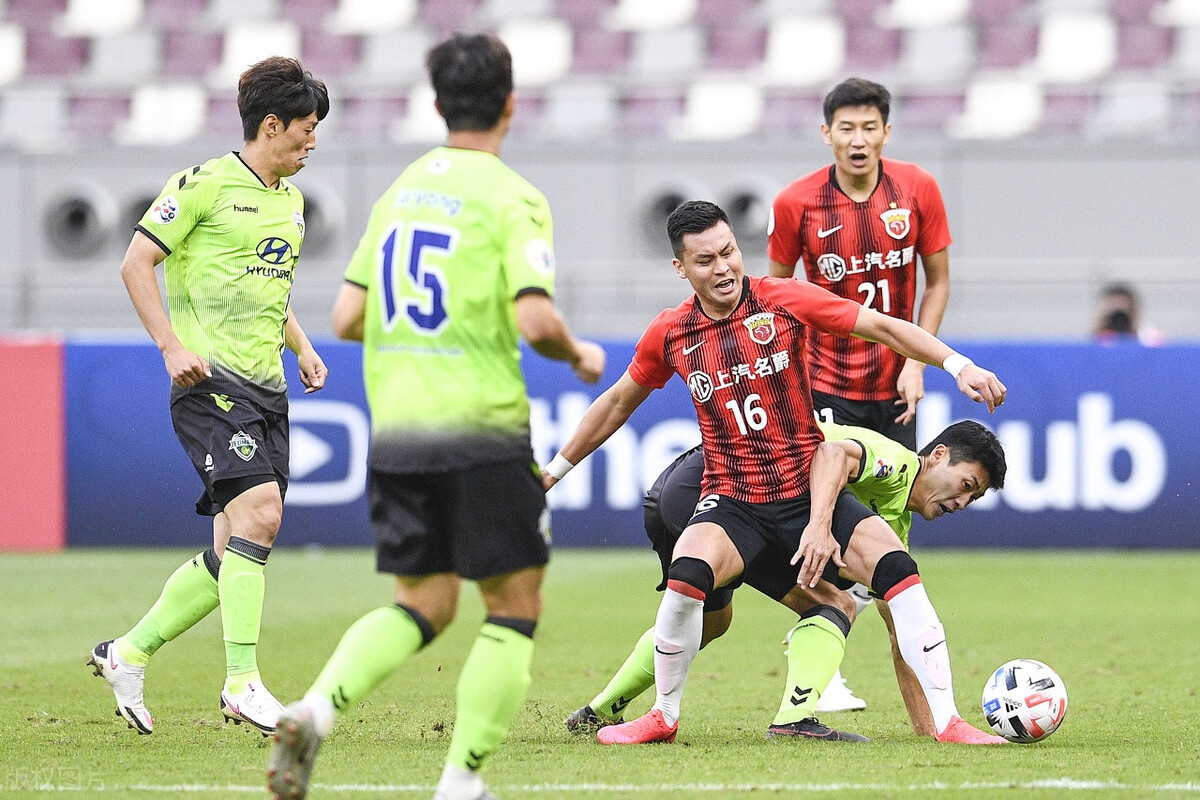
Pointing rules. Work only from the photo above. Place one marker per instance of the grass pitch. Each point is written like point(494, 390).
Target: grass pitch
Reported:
point(1120, 627)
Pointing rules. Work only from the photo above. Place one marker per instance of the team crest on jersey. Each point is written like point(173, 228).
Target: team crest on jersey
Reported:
point(165, 210)
point(298, 218)
point(895, 222)
point(883, 469)
point(244, 445)
point(761, 327)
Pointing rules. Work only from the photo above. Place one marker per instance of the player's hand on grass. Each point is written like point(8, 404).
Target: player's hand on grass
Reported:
point(185, 367)
point(312, 370)
point(589, 365)
point(910, 388)
point(817, 546)
point(982, 386)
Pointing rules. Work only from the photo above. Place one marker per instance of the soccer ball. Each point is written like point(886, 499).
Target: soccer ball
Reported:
point(1024, 701)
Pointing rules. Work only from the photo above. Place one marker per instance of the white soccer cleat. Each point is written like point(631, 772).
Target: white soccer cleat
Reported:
point(126, 682)
point(256, 706)
point(839, 697)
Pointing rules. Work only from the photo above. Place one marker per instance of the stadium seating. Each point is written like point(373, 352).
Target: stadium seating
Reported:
point(655, 58)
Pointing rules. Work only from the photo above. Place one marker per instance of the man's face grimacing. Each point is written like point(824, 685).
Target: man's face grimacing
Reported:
point(712, 263)
point(943, 488)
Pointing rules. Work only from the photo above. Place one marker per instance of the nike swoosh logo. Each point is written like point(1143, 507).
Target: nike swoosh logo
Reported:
point(927, 649)
point(665, 653)
point(821, 234)
point(691, 349)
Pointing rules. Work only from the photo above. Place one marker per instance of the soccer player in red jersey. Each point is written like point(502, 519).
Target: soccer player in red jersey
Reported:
point(858, 228)
point(738, 343)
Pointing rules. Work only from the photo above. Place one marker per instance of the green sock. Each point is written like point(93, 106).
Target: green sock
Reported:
point(635, 676)
point(242, 585)
point(815, 650)
point(370, 650)
point(187, 597)
point(491, 689)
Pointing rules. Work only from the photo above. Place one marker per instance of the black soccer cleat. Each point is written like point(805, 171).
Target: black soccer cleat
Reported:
point(585, 720)
point(811, 728)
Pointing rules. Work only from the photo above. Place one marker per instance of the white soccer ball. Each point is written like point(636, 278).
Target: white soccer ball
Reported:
point(1024, 700)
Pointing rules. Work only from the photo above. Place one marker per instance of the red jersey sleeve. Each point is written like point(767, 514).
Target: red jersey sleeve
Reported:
point(934, 233)
point(649, 366)
point(783, 227)
point(815, 306)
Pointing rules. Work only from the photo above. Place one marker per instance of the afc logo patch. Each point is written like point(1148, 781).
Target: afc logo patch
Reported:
point(896, 222)
point(165, 210)
point(761, 327)
point(882, 469)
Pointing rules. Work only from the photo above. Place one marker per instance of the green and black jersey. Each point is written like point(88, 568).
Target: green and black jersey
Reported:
point(448, 248)
point(886, 474)
point(232, 245)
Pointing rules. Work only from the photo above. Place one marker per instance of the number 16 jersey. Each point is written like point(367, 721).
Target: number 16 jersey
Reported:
point(749, 382)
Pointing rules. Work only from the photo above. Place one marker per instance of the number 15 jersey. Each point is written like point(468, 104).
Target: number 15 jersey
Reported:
point(448, 248)
point(749, 382)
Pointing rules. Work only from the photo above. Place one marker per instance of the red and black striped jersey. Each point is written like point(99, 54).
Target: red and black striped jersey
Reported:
point(866, 252)
point(749, 382)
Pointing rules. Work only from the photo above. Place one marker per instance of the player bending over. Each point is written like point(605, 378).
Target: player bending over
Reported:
point(951, 472)
point(739, 345)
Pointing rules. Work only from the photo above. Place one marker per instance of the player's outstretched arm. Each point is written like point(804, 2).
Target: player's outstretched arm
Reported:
point(543, 327)
point(833, 464)
point(604, 416)
point(185, 368)
point(312, 369)
point(911, 341)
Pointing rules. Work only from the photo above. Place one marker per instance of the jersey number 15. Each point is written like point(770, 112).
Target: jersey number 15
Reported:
point(410, 245)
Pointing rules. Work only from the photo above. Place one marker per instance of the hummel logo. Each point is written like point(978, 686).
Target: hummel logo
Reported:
point(800, 695)
point(619, 705)
point(692, 348)
point(927, 649)
point(822, 233)
point(665, 653)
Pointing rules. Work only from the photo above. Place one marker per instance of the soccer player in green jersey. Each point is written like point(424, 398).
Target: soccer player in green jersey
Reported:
point(229, 232)
point(952, 471)
point(455, 264)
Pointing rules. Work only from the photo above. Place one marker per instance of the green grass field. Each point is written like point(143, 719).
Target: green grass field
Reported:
point(1120, 627)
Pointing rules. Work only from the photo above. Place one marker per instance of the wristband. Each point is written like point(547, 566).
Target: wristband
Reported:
point(558, 467)
point(955, 362)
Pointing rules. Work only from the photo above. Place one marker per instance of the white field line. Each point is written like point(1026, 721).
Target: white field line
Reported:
point(1057, 784)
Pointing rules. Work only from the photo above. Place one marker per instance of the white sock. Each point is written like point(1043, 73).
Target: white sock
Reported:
point(323, 713)
point(922, 642)
point(677, 632)
point(458, 784)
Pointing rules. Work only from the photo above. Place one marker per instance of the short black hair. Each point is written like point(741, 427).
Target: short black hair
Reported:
point(970, 441)
point(471, 75)
point(857, 92)
point(279, 86)
point(694, 216)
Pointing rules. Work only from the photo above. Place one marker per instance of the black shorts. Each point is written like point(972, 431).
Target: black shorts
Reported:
point(233, 443)
point(477, 522)
point(767, 535)
point(876, 415)
point(668, 509)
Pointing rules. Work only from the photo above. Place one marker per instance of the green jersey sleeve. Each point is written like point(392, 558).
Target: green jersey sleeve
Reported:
point(182, 203)
point(528, 255)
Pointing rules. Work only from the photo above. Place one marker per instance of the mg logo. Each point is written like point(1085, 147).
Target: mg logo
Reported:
point(310, 452)
point(274, 250)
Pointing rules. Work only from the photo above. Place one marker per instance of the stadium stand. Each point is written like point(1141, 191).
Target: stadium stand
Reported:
point(80, 77)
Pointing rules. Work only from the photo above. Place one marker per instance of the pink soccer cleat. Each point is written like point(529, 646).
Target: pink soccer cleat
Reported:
point(645, 729)
point(959, 731)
